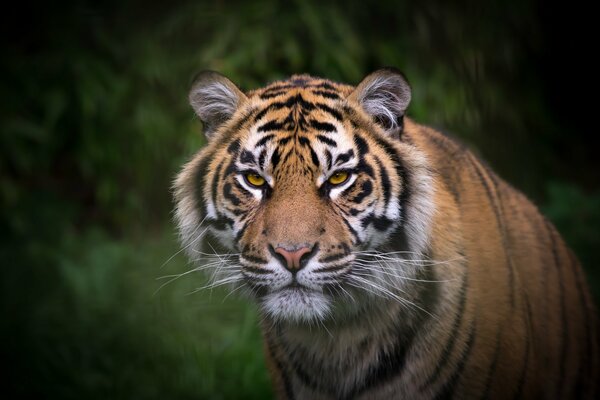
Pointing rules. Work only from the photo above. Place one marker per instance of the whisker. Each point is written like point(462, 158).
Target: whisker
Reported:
point(234, 290)
point(389, 294)
point(190, 243)
point(220, 282)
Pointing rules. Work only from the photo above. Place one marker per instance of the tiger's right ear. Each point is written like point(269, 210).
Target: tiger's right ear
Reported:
point(215, 99)
point(384, 95)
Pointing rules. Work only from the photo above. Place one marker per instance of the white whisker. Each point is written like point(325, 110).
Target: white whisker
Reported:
point(190, 243)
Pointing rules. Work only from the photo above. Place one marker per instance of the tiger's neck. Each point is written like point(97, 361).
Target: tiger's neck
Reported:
point(344, 358)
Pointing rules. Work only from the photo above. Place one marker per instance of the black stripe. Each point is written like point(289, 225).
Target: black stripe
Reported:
point(240, 122)
point(314, 157)
point(357, 240)
point(227, 193)
point(332, 258)
point(299, 100)
point(453, 154)
point(262, 113)
point(391, 362)
point(380, 223)
point(303, 140)
point(363, 166)
point(284, 140)
point(215, 182)
point(331, 268)
point(322, 126)
point(199, 177)
point(247, 157)
point(493, 366)
point(255, 270)
point(295, 357)
point(344, 157)
point(223, 222)
point(235, 211)
point(229, 170)
point(254, 259)
point(499, 223)
point(523, 375)
point(328, 158)
point(325, 85)
point(272, 125)
point(564, 338)
point(265, 139)
point(277, 87)
point(361, 145)
point(588, 350)
point(287, 384)
point(326, 140)
point(240, 233)
point(385, 181)
point(333, 112)
point(272, 94)
point(261, 158)
point(242, 189)
point(454, 333)
point(234, 147)
point(400, 170)
point(275, 158)
point(447, 391)
point(366, 190)
point(326, 94)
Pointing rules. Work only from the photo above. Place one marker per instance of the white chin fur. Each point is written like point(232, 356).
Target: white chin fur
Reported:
point(298, 305)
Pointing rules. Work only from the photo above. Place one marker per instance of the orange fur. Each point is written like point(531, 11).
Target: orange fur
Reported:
point(500, 309)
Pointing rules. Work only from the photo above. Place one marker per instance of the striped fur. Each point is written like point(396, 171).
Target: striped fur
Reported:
point(429, 277)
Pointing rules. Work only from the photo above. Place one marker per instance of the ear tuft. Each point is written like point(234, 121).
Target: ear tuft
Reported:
point(215, 99)
point(385, 95)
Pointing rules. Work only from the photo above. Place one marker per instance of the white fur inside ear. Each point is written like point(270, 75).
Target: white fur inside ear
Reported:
point(386, 97)
point(215, 102)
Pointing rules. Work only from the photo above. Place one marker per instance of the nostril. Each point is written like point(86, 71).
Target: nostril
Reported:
point(279, 255)
point(307, 255)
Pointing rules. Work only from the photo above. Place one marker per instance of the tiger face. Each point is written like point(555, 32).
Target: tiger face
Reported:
point(301, 181)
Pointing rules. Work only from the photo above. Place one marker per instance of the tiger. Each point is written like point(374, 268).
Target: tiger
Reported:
point(386, 260)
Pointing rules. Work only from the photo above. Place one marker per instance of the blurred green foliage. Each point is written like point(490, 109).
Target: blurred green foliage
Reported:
point(94, 124)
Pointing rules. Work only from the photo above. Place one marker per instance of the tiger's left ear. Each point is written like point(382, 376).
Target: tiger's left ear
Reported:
point(385, 95)
point(215, 99)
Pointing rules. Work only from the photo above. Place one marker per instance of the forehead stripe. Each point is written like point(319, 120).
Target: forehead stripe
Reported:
point(247, 157)
point(322, 126)
point(342, 158)
point(273, 125)
point(234, 147)
point(326, 94)
point(333, 112)
point(270, 95)
point(326, 140)
point(265, 140)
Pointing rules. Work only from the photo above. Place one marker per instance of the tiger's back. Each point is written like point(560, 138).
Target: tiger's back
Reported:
point(527, 287)
point(388, 261)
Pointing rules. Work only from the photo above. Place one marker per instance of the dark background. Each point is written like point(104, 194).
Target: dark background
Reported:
point(94, 124)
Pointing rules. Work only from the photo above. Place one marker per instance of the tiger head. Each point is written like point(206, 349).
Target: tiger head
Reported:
point(302, 181)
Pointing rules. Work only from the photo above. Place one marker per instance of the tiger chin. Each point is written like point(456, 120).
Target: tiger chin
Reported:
point(387, 261)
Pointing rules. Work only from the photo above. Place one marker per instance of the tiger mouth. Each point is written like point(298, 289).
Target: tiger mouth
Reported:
point(295, 288)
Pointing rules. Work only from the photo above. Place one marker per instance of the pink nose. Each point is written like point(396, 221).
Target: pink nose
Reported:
point(292, 258)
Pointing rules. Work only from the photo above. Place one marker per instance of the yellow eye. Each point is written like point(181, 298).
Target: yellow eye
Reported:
point(338, 178)
point(255, 180)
